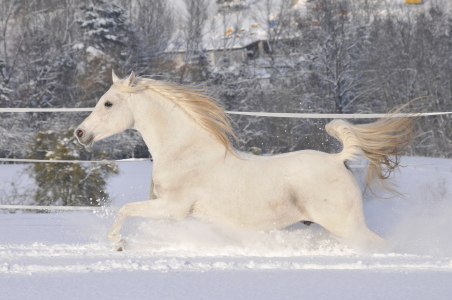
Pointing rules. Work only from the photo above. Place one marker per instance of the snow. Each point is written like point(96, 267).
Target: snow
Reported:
point(66, 255)
point(94, 53)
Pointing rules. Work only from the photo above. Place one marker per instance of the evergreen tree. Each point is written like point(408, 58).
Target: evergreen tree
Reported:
point(67, 183)
point(106, 36)
point(105, 27)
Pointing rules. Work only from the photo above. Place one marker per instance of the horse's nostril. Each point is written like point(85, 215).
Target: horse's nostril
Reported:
point(79, 133)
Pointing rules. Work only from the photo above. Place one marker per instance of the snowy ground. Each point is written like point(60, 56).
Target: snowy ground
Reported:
point(66, 255)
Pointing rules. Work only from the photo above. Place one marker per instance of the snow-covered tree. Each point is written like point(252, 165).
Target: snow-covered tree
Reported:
point(106, 36)
point(154, 27)
point(336, 53)
point(196, 65)
point(105, 27)
point(67, 183)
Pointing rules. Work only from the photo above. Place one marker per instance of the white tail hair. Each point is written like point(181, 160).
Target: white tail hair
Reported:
point(380, 142)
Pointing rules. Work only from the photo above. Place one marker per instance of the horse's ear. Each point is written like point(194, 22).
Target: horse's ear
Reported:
point(131, 78)
point(114, 77)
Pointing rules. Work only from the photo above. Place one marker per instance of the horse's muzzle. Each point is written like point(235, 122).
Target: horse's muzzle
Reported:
point(83, 138)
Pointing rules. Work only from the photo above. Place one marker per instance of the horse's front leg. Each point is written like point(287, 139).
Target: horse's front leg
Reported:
point(157, 209)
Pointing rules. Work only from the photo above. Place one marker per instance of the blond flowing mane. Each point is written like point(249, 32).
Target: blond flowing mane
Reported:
point(204, 110)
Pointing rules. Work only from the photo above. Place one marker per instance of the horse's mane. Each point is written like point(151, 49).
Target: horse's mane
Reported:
point(203, 109)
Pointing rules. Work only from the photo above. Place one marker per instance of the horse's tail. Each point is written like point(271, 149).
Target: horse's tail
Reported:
point(380, 142)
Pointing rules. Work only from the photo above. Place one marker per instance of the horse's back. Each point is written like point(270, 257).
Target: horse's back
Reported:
point(302, 165)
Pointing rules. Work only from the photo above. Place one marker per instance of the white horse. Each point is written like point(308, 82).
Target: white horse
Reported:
point(197, 171)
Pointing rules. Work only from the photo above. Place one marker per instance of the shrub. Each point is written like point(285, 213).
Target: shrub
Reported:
point(67, 184)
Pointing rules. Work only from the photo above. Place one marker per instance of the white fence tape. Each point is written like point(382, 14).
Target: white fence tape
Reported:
point(54, 208)
point(331, 116)
point(255, 114)
point(24, 110)
point(71, 161)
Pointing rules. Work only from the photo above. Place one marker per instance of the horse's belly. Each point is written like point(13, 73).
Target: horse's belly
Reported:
point(257, 215)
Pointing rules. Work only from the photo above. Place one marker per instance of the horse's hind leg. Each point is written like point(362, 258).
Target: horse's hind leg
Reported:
point(346, 219)
point(362, 238)
point(357, 234)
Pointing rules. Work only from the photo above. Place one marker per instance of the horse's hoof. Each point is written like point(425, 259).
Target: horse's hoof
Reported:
point(120, 246)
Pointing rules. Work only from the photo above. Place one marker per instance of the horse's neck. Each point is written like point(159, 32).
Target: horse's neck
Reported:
point(169, 132)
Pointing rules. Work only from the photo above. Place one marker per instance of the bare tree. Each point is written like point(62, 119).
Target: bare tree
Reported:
point(195, 61)
point(154, 26)
point(9, 49)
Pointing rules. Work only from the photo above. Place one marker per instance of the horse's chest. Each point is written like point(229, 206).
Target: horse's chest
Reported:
point(171, 182)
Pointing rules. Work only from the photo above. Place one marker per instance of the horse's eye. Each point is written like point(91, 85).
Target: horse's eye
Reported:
point(108, 104)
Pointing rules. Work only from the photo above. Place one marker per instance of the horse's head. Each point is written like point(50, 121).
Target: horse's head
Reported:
point(110, 116)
